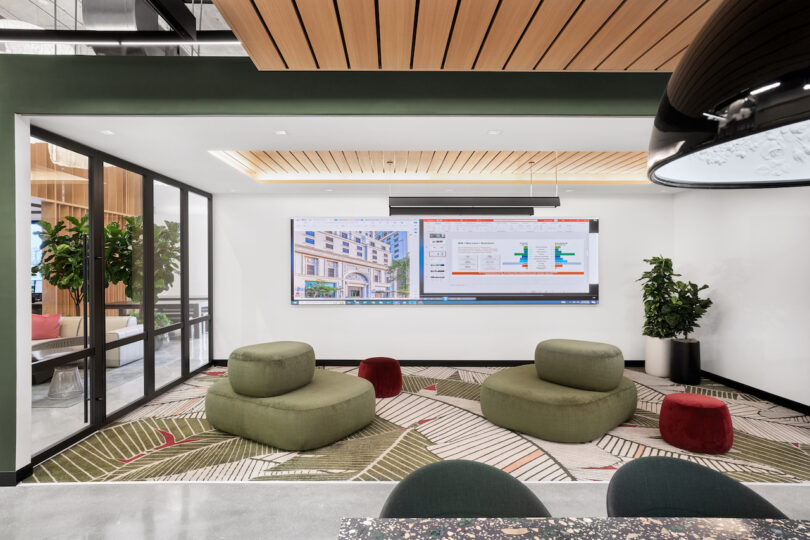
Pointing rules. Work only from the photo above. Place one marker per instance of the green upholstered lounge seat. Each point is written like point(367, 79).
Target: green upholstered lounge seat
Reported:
point(669, 487)
point(463, 489)
point(332, 406)
point(515, 398)
point(271, 369)
point(579, 364)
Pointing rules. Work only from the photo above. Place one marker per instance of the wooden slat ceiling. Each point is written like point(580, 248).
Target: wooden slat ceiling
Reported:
point(463, 35)
point(425, 167)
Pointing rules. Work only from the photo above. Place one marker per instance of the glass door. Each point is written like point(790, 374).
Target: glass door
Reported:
point(168, 284)
point(61, 316)
point(198, 282)
point(124, 360)
point(120, 288)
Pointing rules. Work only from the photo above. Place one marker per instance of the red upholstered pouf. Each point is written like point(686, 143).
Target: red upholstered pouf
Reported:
point(384, 374)
point(696, 423)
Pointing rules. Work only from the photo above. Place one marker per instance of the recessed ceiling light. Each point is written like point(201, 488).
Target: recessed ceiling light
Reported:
point(280, 132)
point(329, 189)
point(448, 190)
point(107, 132)
point(569, 190)
point(494, 132)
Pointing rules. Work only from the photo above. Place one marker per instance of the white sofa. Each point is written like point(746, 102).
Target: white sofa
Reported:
point(71, 328)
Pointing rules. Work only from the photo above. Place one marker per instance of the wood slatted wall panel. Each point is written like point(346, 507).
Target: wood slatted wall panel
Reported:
point(462, 35)
point(473, 166)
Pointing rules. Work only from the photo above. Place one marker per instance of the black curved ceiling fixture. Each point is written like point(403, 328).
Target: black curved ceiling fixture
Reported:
point(736, 111)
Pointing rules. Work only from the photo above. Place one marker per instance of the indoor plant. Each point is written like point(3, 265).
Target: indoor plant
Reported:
point(658, 287)
point(63, 256)
point(685, 310)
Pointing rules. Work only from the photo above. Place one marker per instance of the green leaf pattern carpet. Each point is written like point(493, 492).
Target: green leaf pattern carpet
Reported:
point(437, 416)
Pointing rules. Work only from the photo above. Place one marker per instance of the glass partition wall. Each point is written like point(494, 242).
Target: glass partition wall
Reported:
point(120, 288)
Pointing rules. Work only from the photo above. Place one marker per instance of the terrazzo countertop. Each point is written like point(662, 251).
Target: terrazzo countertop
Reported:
point(583, 528)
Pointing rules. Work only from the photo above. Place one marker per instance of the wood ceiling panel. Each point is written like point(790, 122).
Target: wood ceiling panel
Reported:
point(656, 27)
point(248, 27)
point(321, 24)
point(678, 39)
point(342, 164)
point(353, 161)
point(307, 165)
point(582, 26)
point(463, 35)
point(359, 32)
point(432, 32)
point(365, 162)
point(541, 32)
point(670, 65)
point(282, 21)
point(624, 22)
point(396, 32)
point(456, 166)
point(511, 19)
point(424, 162)
point(413, 162)
point(472, 23)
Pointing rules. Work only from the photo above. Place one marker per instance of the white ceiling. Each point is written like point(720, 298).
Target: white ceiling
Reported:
point(178, 146)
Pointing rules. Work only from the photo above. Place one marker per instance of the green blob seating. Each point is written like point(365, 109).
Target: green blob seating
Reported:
point(587, 365)
point(271, 369)
point(461, 489)
point(332, 406)
point(669, 487)
point(516, 399)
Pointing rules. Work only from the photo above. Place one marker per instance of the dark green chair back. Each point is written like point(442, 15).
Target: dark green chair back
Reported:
point(459, 488)
point(669, 487)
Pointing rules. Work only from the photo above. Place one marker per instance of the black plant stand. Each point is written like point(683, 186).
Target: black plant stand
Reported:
point(685, 362)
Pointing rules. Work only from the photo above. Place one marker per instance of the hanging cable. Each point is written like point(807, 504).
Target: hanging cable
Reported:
point(556, 179)
point(531, 179)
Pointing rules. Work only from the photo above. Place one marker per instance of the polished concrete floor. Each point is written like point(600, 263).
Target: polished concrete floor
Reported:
point(307, 510)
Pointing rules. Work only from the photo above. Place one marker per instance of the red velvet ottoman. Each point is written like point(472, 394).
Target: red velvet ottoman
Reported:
point(696, 423)
point(384, 374)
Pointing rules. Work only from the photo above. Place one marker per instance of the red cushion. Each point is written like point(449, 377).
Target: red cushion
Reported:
point(45, 326)
point(696, 423)
point(384, 373)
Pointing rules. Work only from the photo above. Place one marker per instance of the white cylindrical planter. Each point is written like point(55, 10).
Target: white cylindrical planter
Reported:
point(657, 353)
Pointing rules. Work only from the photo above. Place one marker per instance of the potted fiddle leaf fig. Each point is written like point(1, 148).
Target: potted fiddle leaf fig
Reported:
point(687, 307)
point(658, 286)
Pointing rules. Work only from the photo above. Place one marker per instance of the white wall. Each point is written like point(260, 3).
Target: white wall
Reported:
point(751, 247)
point(252, 287)
point(22, 160)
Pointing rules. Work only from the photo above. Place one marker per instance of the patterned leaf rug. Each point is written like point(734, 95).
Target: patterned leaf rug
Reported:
point(436, 417)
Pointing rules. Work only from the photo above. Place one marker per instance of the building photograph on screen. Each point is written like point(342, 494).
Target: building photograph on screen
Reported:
point(552, 260)
point(354, 260)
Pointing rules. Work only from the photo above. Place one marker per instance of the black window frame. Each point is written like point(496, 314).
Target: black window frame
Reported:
point(98, 414)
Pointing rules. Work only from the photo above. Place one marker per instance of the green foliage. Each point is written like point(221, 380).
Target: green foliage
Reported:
point(166, 255)
point(400, 270)
point(320, 289)
point(686, 308)
point(161, 319)
point(62, 263)
point(658, 288)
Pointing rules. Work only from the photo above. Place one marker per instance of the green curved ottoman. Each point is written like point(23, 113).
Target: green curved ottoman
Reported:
point(516, 399)
point(271, 369)
point(329, 408)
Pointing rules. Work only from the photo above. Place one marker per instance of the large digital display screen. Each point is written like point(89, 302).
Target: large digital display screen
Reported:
point(404, 261)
